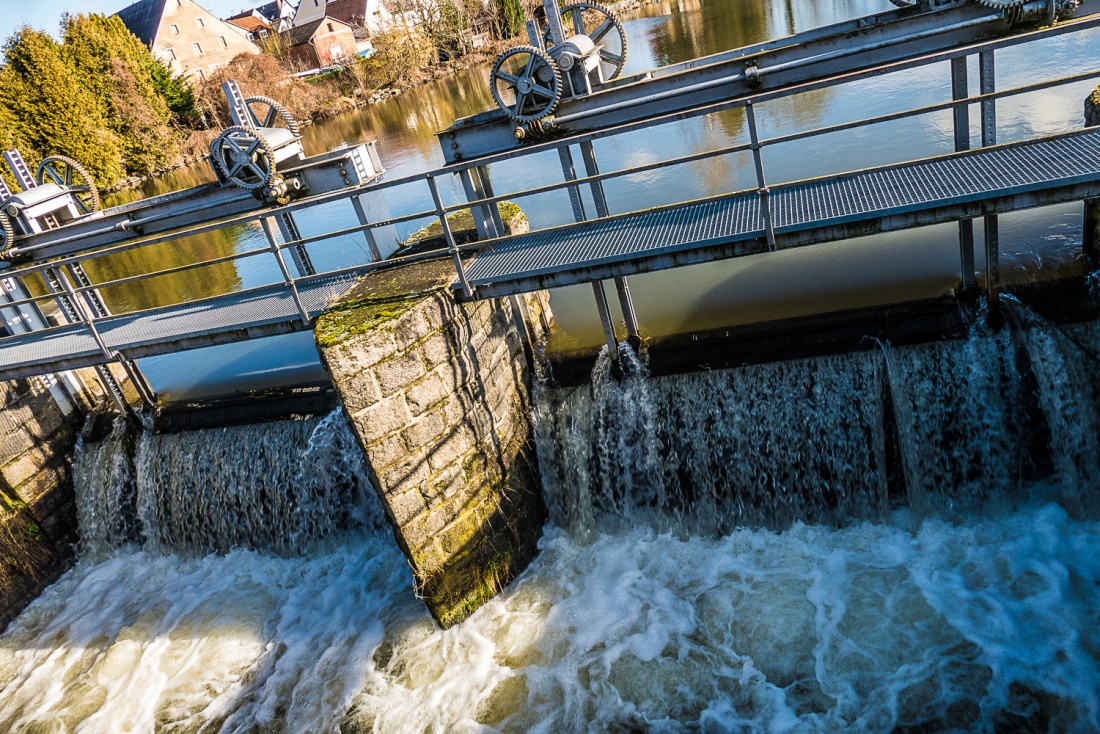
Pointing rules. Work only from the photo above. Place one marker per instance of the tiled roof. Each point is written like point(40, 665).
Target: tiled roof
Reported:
point(143, 18)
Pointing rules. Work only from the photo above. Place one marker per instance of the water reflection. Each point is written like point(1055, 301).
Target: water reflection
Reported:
point(861, 272)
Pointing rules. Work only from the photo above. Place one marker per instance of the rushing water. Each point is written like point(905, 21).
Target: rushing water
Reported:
point(863, 272)
point(898, 540)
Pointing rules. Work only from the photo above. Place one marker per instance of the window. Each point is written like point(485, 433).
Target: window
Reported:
point(198, 48)
point(315, 3)
point(222, 42)
point(336, 52)
point(201, 75)
point(179, 3)
point(330, 28)
point(214, 67)
point(198, 21)
point(251, 36)
point(263, 33)
point(172, 54)
point(175, 28)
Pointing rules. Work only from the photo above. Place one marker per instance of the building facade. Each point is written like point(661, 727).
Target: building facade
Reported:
point(320, 43)
point(189, 39)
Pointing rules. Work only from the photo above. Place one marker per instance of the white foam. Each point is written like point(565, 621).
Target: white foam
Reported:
point(864, 628)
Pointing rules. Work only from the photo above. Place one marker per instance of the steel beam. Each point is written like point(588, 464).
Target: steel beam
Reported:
point(860, 44)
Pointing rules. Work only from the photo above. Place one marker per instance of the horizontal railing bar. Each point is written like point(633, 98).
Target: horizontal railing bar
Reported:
point(1070, 26)
point(937, 107)
point(713, 153)
point(913, 112)
point(172, 271)
point(357, 228)
point(27, 301)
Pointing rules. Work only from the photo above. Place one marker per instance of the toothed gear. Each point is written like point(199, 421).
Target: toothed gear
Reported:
point(64, 171)
point(274, 112)
point(608, 28)
point(528, 85)
point(243, 158)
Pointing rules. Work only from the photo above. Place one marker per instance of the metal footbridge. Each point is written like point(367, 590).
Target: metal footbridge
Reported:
point(976, 179)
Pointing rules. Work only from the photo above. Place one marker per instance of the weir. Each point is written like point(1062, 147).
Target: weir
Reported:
point(432, 348)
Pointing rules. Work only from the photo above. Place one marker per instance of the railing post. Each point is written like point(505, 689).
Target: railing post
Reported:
point(959, 83)
point(761, 182)
point(83, 314)
point(474, 186)
point(451, 244)
point(1091, 239)
point(626, 303)
point(288, 227)
point(987, 80)
point(361, 215)
point(273, 245)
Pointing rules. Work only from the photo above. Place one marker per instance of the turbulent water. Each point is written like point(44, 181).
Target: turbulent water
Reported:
point(896, 541)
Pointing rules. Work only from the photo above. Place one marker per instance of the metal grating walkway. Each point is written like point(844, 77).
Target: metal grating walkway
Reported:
point(917, 191)
point(259, 311)
point(1001, 178)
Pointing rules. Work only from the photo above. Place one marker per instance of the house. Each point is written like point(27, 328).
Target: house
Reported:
point(185, 36)
point(372, 15)
point(320, 43)
point(257, 26)
point(275, 17)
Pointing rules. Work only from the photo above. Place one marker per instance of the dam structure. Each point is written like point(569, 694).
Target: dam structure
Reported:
point(433, 346)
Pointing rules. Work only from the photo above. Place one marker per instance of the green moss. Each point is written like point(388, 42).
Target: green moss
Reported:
point(347, 319)
point(460, 221)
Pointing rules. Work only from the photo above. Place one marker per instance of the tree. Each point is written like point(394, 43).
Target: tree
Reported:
point(114, 66)
point(56, 113)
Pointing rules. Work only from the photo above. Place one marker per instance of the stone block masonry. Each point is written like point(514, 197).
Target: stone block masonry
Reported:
point(38, 513)
point(438, 395)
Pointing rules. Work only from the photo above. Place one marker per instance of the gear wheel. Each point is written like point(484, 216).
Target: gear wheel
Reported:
point(64, 171)
point(274, 112)
point(243, 157)
point(612, 58)
point(538, 79)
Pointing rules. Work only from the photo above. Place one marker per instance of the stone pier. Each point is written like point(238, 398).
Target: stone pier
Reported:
point(38, 513)
point(437, 392)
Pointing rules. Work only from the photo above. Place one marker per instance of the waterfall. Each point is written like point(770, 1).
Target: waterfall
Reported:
point(953, 428)
point(762, 446)
point(279, 487)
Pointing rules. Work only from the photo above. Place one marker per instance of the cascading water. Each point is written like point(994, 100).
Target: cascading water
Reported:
point(277, 487)
point(729, 551)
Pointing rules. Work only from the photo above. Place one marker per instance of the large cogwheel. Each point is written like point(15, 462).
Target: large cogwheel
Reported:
point(275, 112)
point(525, 83)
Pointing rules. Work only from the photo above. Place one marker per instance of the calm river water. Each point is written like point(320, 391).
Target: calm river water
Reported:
point(872, 270)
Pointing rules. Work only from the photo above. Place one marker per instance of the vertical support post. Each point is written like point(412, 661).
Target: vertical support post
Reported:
point(361, 215)
point(273, 245)
point(988, 82)
point(761, 181)
point(85, 315)
point(570, 174)
point(605, 320)
point(288, 228)
point(1091, 239)
point(494, 209)
point(483, 220)
point(959, 90)
point(626, 303)
point(451, 244)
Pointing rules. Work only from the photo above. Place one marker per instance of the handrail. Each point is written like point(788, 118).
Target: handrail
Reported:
point(440, 211)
